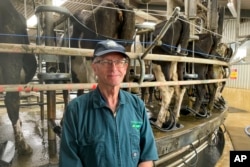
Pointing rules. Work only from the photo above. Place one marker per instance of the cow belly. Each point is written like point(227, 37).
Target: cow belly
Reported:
point(83, 70)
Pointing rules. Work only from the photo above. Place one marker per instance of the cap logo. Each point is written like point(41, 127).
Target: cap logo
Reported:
point(111, 44)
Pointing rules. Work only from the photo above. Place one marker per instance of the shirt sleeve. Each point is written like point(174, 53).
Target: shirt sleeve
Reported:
point(147, 143)
point(68, 155)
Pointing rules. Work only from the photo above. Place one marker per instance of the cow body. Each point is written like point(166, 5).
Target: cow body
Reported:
point(15, 68)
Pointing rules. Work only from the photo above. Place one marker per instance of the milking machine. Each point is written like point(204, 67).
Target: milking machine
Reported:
point(53, 69)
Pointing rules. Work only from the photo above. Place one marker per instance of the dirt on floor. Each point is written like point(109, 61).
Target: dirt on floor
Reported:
point(35, 132)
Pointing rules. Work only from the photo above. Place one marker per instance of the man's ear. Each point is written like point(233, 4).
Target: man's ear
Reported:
point(93, 67)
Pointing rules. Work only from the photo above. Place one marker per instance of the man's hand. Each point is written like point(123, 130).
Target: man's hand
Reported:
point(146, 164)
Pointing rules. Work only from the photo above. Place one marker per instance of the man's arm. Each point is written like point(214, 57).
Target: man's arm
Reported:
point(68, 146)
point(146, 164)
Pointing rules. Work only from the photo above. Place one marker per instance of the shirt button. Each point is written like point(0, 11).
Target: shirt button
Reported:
point(134, 154)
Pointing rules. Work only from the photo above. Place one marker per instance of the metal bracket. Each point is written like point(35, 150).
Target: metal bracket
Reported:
point(174, 16)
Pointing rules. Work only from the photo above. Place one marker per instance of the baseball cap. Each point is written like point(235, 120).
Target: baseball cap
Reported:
point(109, 46)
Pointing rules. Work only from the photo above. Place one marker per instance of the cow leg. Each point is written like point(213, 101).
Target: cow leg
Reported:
point(12, 101)
point(211, 87)
point(212, 95)
point(151, 92)
point(179, 93)
point(65, 98)
point(201, 70)
point(201, 92)
point(143, 92)
point(214, 72)
point(148, 100)
point(166, 93)
point(80, 92)
point(218, 100)
point(66, 101)
point(178, 101)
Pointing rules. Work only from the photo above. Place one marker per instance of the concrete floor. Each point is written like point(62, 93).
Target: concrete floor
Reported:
point(35, 133)
point(235, 124)
point(235, 135)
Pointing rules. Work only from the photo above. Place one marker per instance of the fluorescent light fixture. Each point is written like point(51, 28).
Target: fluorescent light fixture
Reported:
point(32, 21)
point(231, 7)
point(149, 23)
point(58, 2)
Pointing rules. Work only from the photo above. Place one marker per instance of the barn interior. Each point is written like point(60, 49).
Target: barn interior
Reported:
point(145, 10)
point(152, 11)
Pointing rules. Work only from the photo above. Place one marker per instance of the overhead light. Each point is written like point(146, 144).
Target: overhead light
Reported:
point(146, 25)
point(32, 21)
point(232, 9)
point(149, 23)
point(58, 2)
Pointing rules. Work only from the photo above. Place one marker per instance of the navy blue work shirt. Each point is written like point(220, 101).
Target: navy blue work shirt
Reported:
point(93, 137)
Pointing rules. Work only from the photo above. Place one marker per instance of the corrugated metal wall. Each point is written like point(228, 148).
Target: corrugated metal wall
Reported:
point(242, 80)
point(229, 34)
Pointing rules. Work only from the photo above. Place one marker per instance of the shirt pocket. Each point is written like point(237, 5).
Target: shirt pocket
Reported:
point(92, 150)
point(135, 147)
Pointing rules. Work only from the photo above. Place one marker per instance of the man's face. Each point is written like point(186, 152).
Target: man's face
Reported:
point(110, 69)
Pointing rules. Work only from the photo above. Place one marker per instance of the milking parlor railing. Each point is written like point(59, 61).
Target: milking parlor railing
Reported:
point(34, 49)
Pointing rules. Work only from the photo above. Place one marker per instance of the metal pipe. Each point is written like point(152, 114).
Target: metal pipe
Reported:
point(51, 99)
point(202, 6)
point(31, 104)
point(64, 51)
point(188, 157)
point(178, 152)
point(71, 87)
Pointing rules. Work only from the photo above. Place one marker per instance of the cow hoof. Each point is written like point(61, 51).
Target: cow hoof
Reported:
point(177, 125)
point(24, 149)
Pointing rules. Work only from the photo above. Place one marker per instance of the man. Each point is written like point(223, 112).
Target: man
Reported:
point(107, 127)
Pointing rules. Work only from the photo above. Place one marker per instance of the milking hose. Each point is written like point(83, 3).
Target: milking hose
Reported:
point(247, 130)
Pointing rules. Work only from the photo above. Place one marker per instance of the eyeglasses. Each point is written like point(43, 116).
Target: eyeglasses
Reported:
point(109, 63)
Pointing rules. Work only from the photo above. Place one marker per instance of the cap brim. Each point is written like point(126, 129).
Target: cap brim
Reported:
point(110, 51)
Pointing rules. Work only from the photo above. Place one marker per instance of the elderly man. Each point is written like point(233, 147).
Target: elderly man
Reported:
point(107, 127)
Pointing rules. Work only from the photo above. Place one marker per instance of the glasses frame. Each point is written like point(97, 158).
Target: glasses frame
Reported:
point(110, 63)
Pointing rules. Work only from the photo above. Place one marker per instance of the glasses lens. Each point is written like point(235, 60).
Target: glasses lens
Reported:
point(109, 63)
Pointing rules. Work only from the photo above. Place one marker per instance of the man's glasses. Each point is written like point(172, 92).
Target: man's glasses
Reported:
point(109, 63)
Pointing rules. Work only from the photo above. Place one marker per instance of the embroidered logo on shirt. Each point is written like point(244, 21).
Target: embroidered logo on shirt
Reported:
point(136, 124)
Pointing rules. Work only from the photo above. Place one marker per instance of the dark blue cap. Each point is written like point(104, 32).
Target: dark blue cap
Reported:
point(109, 46)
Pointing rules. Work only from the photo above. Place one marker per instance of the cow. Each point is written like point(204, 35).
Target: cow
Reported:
point(218, 72)
point(15, 68)
point(205, 94)
point(176, 35)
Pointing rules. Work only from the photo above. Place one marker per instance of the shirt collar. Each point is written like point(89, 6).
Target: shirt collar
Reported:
point(99, 101)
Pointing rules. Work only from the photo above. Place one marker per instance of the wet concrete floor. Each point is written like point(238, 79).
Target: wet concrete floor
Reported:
point(35, 132)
